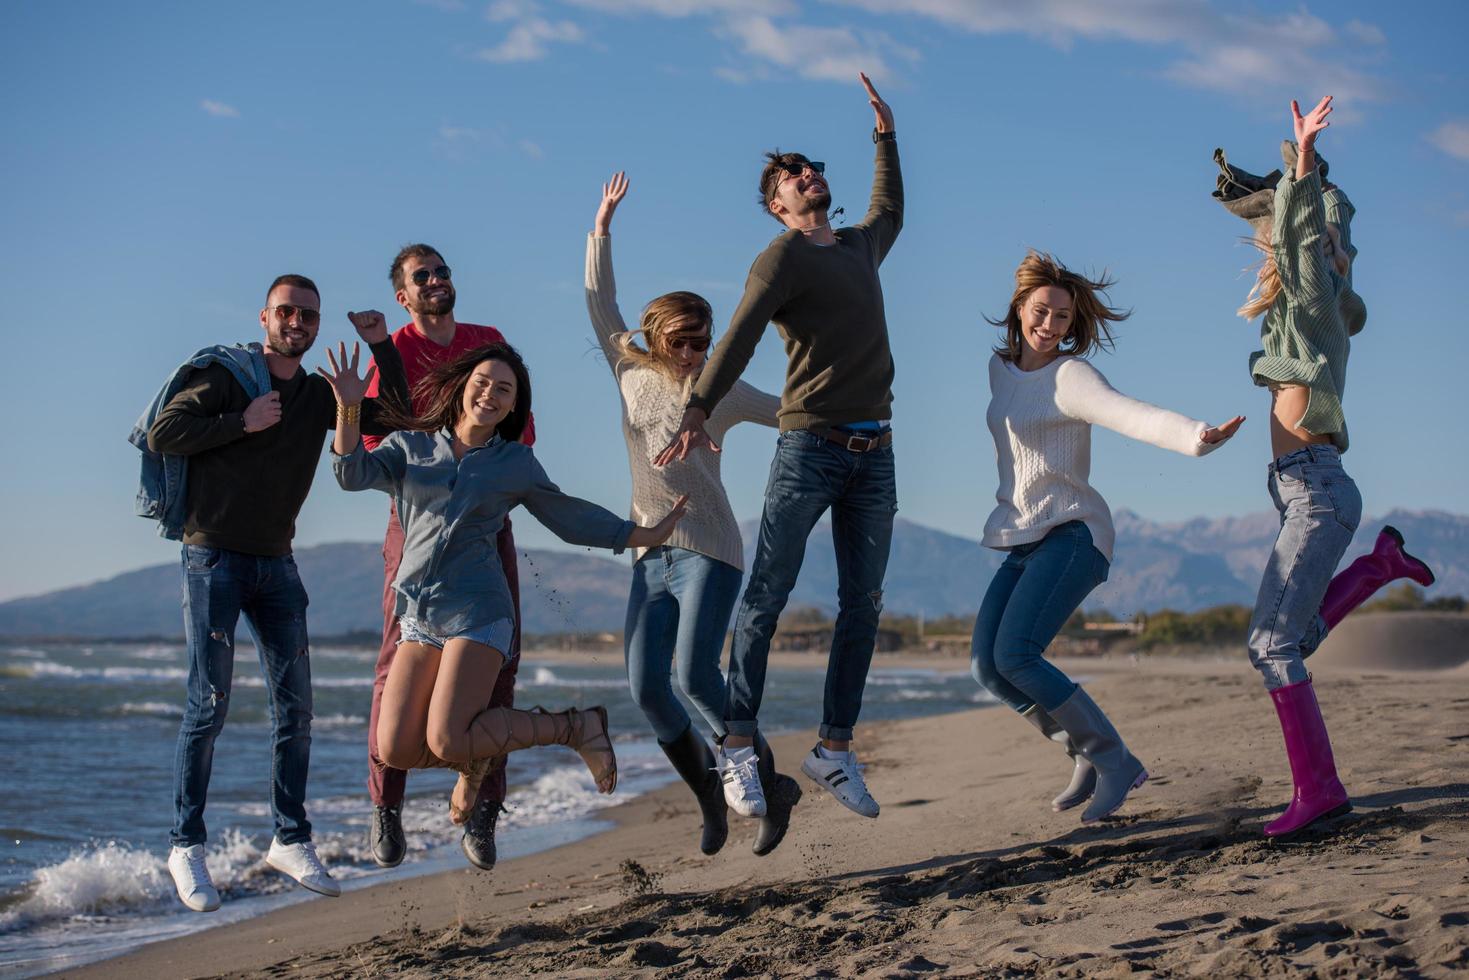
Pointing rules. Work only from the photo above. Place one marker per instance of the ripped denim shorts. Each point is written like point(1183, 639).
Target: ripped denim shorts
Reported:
point(498, 635)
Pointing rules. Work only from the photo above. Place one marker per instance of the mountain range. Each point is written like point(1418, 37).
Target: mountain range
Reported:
point(1186, 566)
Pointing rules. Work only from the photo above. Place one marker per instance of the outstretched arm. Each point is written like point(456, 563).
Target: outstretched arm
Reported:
point(1299, 236)
point(1082, 393)
point(601, 286)
point(578, 521)
point(884, 218)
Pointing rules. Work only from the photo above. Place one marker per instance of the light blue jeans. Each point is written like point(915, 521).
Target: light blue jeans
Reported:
point(1320, 509)
point(678, 610)
point(1030, 598)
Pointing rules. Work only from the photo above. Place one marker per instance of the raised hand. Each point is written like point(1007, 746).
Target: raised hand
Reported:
point(1221, 432)
point(652, 537)
point(884, 113)
point(612, 194)
point(350, 389)
point(1311, 123)
point(690, 436)
point(263, 412)
point(371, 326)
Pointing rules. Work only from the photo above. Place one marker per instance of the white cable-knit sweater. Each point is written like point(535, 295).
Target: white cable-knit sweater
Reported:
point(652, 410)
point(1042, 424)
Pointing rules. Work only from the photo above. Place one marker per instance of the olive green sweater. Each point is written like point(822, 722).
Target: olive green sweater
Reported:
point(1306, 334)
point(826, 301)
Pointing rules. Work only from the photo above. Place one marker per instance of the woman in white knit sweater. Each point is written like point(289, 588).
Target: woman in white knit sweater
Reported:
point(1057, 530)
point(683, 592)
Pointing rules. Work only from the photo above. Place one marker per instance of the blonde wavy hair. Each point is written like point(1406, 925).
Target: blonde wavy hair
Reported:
point(672, 314)
point(1089, 315)
point(1267, 274)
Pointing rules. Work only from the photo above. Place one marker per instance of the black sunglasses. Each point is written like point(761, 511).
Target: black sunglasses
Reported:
point(796, 169)
point(692, 343)
point(442, 273)
point(308, 316)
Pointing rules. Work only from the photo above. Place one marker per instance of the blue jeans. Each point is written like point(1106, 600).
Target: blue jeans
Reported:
point(678, 611)
point(1320, 509)
point(1033, 593)
point(809, 475)
point(219, 585)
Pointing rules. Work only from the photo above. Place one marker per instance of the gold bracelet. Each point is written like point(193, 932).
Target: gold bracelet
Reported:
point(349, 414)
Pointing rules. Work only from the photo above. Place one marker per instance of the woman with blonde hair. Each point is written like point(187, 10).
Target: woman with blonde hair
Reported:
point(683, 592)
point(1304, 290)
point(1055, 528)
point(455, 470)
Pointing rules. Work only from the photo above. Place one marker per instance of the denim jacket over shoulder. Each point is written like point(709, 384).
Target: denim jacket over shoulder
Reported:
point(161, 483)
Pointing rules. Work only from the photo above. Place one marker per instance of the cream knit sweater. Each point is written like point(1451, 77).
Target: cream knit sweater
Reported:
point(652, 409)
point(1042, 425)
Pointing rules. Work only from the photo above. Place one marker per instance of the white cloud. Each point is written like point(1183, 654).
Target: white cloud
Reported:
point(530, 35)
point(830, 53)
point(219, 109)
point(1365, 33)
point(1453, 138)
point(532, 149)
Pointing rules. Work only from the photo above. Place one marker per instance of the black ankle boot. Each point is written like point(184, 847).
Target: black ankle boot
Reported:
point(782, 793)
point(385, 836)
point(693, 761)
point(478, 843)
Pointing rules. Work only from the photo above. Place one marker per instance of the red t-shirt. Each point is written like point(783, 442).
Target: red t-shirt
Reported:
point(420, 354)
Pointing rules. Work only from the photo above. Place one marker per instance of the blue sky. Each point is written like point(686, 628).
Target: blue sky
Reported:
point(163, 162)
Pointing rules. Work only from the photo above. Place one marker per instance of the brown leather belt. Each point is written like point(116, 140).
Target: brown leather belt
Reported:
point(855, 441)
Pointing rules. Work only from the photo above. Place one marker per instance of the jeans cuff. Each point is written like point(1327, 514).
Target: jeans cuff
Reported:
point(741, 729)
point(835, 733)
point(1283, 673)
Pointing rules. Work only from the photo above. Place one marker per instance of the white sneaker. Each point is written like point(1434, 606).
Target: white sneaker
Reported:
point(299, 861)
point(737, 770)
point(191, 878)
point(842, 778)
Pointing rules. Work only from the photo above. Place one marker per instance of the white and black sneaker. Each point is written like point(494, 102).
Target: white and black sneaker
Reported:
point(839, 774)
point(299, 861)
point(191, 878)
point(738, 770)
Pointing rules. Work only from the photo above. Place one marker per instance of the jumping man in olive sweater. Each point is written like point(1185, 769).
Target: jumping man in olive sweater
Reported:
point(250, 464)
point(821, 289)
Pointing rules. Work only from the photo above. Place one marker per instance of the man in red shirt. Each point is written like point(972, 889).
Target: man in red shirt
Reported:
point(421, 280)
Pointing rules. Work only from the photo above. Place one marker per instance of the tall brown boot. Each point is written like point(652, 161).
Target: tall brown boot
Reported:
point(496, 731)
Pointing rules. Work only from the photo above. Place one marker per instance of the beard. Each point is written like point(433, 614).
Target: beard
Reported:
point(434, 307)
point(285, 346)
point(821, 202)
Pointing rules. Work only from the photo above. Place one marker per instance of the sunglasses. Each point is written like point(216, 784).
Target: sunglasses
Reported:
point(441, 273)
point(696, 344)
point(307, 316)
point(796, 169)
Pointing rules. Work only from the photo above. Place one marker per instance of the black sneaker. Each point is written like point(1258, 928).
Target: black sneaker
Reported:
point(479, 834)
point(385, 836)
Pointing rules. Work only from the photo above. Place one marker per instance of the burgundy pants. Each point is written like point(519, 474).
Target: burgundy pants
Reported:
point(384, 784)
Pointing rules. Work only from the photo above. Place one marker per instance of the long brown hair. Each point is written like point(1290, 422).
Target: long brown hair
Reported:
point(441, 393)
point(1268, 285)
point(658, 318)
point(1089, 315)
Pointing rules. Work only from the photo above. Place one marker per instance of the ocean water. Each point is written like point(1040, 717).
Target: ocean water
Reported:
point(87, 734)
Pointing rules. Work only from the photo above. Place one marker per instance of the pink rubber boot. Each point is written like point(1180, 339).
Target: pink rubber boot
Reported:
point(1318, 791)
point(1355, 584)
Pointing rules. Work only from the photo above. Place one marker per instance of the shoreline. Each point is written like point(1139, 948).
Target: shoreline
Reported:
point(977, 828)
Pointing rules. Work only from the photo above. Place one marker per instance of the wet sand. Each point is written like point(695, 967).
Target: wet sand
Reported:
point(967, 872)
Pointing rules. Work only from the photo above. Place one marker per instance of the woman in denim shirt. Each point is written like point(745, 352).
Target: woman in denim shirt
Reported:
point(455, 471)
point(1304, 290)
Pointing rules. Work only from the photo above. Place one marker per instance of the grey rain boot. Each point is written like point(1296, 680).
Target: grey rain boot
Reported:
point(693, 761)
point(1083, 777)
point(782, 793)
point(1118, 770)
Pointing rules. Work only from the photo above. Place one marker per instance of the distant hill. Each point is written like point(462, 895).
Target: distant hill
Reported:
point(1186, 566)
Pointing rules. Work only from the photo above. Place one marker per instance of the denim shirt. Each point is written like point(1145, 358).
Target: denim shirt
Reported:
point(161, 495)
point(450, 578)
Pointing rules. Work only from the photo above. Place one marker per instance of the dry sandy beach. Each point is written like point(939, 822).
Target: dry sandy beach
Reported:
point(968, 872)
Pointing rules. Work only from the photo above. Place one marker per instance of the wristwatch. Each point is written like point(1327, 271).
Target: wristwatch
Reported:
point(887, 137)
